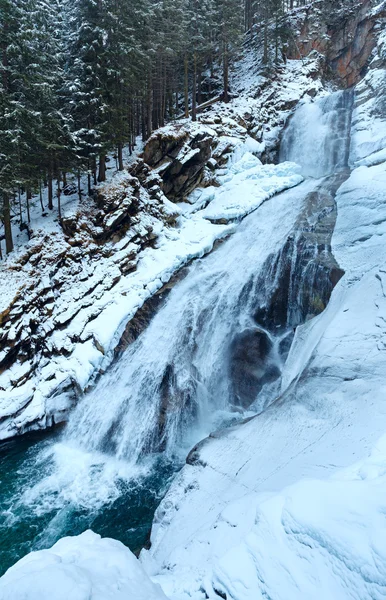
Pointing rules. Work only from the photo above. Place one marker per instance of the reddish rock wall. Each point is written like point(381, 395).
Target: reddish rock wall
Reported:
point(345, 39)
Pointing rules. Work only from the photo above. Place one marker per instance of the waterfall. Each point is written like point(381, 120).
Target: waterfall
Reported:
point(218, 343)
point(174, 382)
point(212, 354)
point(317, 136)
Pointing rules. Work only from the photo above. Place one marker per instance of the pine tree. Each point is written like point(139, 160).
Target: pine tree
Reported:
point(229, 18)
point(85, 80)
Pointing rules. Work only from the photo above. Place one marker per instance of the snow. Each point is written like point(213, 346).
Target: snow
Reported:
point(369, 117)
point(322, 539)
point(85, 567)
point(247, 185)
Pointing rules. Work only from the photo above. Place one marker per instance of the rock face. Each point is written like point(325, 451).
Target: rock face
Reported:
point(295, 286)
point(63, 277)
point(304, 273)
point(184, 157)
point(252, 364)
point(345, 37)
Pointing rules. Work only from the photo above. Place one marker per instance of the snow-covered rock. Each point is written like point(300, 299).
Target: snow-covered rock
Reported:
point(239, 194)
point(85, 567)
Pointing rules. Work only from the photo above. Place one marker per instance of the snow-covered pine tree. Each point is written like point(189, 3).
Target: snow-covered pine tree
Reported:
point(230, 24)
point(85, 80)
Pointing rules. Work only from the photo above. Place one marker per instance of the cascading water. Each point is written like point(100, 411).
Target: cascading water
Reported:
point(214, 350)
point(318, 134)
point(173, 384)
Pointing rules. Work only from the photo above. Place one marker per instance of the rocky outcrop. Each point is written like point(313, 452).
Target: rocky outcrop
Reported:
point(252, 364)
point(185, 156)
point(304, 273)
point(60, 281)
point(295, 285)
point(345, 36)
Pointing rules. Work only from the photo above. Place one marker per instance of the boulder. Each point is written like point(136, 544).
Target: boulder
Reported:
point(251, 364)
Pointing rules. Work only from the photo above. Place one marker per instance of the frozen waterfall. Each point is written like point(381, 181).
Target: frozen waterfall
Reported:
point(317, 136)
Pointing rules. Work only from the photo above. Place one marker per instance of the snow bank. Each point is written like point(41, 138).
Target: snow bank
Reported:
point(85, 567)
point(369, 119)
point(316, 539)
point(247, 185)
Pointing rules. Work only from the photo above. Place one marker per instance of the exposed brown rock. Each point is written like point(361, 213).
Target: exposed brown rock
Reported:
point(345, 39)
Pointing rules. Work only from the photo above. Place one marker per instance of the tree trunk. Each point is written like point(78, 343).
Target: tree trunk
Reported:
point(102, 168)
point(4, 71)
point(58, 193)
point(194, 91)
point(7, 224)
point(143, 121)
point(79, 188)
point(226, 74)
point(94, 170)
point(20, 210)
point(50, 191)
point(265, 54)
point(199, 85)
point(41, 196)
point(149, 110)
point(28, 198)
point(186, 85)
point(120, 156)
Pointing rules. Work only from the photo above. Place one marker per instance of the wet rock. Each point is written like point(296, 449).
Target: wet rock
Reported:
point(251, 364)
point(285, 345)
point(303, 274)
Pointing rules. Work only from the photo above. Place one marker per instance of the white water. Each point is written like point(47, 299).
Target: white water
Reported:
point(318, 134)
point(177, 371)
